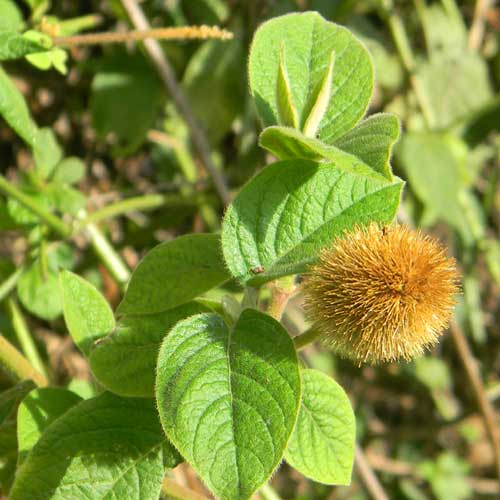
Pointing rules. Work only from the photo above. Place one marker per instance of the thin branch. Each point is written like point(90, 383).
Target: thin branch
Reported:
point(181, 33)
point(167, 75)
point(281, 292)
point(51, 220)
point(309, 336)
point(368, 477)
point(173, 490)
point(24, 337)
point(16, 366)
point(476, 32)
point(10, 283)
point(470, 365)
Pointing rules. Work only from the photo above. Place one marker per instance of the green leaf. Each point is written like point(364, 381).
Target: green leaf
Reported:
point(69, 171)
point(289, 211)
point(322, 444)
point(309, 42)
point(287, 114)
point(11, 17)
point(37, 411)
point(319, 100)
point(46, 151)
point(13, 45)
point(228, 398)
point(372, 141)
point(8, 455)
point(67, 200)
point(39, 292)
point(86, 312)
point(23, 215)
point(102, 448)
point(370, 144)
point(173, 273)
point(455, 85)
point(132, 350)
point(15, 111)
point(125, 99)
point(434, 166)
point(214, 86)
point(54, 58)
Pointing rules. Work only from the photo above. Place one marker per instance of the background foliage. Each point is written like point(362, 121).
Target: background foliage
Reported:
point(97, 136)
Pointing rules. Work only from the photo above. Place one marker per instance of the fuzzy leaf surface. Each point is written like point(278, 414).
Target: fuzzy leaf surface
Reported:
point(37, 411)
point(293, 208)
point(228, 398)
point(132, 350)
point(322, 443)
point(173, 273)
point(103, 448)
point(14, 45)
point(309, 41)
point(86, 312)
point(369, 143)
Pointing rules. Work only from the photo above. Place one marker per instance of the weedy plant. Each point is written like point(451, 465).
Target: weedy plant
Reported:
point(220, 384)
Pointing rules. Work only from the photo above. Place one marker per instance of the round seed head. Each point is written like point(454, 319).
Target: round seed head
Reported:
point(381, 294)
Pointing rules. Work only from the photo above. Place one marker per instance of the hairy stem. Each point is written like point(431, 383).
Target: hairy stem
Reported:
point(267, 492)
point(24, 337)
point(178, 33)
point(16, 366)
point(51, 220)
point(309, 336)
point(476, 32)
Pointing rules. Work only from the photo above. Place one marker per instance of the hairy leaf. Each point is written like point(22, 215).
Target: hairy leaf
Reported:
point(228, 398)
point(37, 411)
point(289, 211)
point(86, 312)
point(102, 448)
point(173, 273)
point(322, 444)
point(125, 361)
point(309, 42)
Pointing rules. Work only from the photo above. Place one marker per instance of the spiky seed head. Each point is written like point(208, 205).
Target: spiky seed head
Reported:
point(381, 294)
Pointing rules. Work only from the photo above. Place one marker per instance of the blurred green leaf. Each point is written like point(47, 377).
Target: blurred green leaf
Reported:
point(11, 17)
point(125, 98)
point(14, 45)
point(214, 86)
point(69, 171)
point(38, 291)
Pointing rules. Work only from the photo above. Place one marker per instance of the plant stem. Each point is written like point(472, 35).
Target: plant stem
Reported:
point(8, 285)
point(405, 52)
point(179, 33)
point(476, 32)
point(281, 292)
point(23, 336)
point(267, 492)
point(16, 366)
point(108, 255)
point(147, 202)
point(51, 220)
point(471, 370)
point(167, 75)
point(300, 341)
point(173, 490)
point(367, 475)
